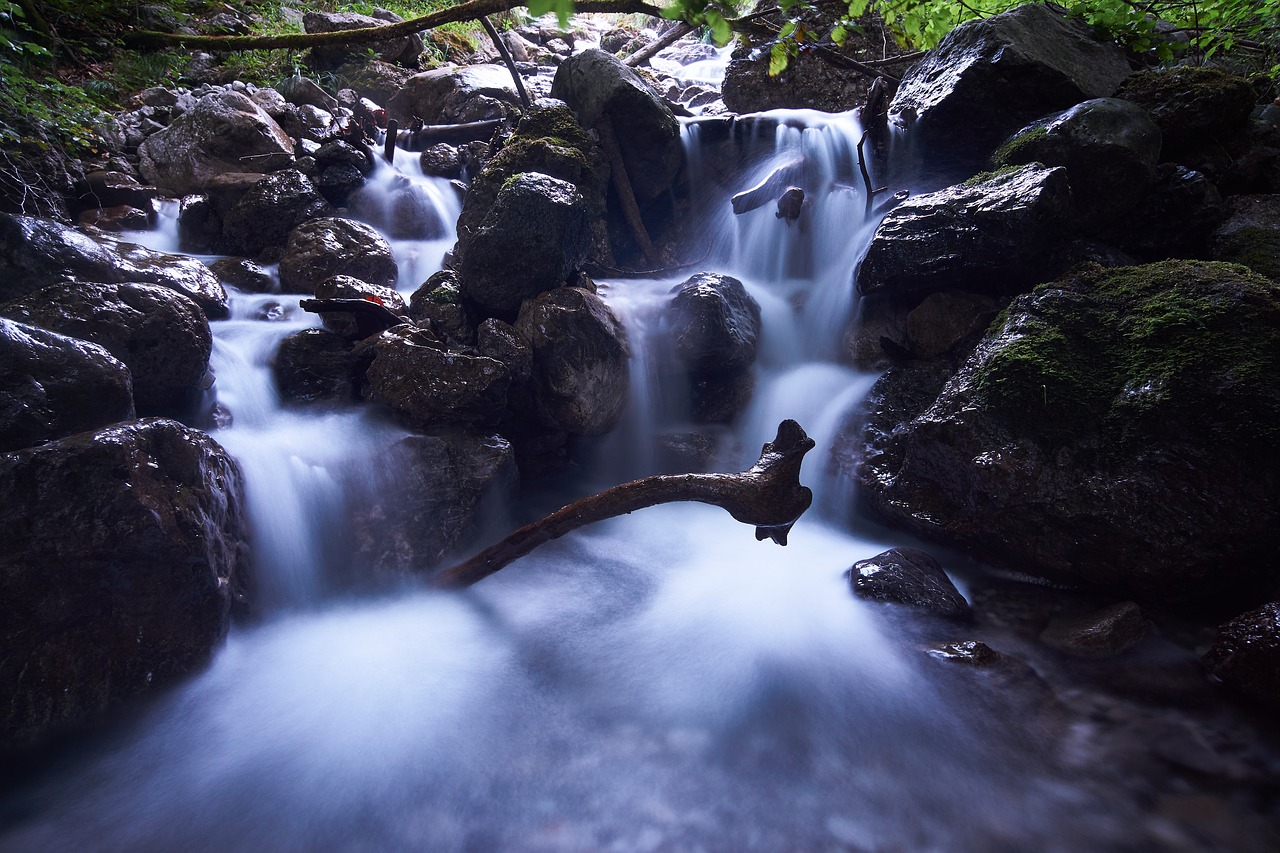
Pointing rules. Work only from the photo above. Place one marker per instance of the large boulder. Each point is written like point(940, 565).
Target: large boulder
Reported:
point(404, 50)
point(224, 132)
point(1109, 148)
point(161, 336)
point(36, 253)
point(580, 377)
point(1117, 428)
point(52, 386)
point(317, 365)
point(329, 246)
point(121, 554)
point(1192, 102)
point(431, 386)
point(990, 77)
point(1250, 235)
point(532, 238)
point(265, 215)
point(1245, 655)
point(990, 234)
point(607, 96)
point(455, 95)
point(715, 330)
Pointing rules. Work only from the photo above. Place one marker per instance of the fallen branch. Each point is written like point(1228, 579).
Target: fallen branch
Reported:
point(501, 47)
point(768, 189)
point(664, 41)
point(453, 134)
point(626, 195)
point(768, 495)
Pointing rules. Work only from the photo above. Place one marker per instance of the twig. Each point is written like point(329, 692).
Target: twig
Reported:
point(664, 41)
point(506, 59)
point(626, 195)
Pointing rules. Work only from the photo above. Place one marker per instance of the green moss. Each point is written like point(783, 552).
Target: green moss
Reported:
point(1255, 247)
point(985, 177)
point(1014, 151)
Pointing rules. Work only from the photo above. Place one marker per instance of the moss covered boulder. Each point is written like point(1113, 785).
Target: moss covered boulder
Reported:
point(1118, 428)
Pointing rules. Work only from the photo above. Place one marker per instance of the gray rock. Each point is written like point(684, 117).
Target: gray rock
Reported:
point(715, 324)
point(245, 275)
point(438, 304)
point(52, 386)
point(1250, 235)
point(911, 577)
point(121, 554)
point(501, 342)
point(322, 248)
point(431, 386)
point(1190, 102)
point(404, 50)
point(265, 215)
point(455, 95)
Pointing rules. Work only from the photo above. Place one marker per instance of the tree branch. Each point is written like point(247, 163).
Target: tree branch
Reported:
point(768, 495)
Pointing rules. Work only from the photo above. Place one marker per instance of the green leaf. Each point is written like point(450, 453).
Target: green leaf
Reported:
point(839, 34)
point(721, 32)
point(787, 29)
point(777, 59)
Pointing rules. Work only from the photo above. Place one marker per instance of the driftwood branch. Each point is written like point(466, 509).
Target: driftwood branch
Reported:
point(769, 188)
point(664, 41)
point(454, 134)
point(626, 195)
point(506, 59)
point(768, 495)
point(467, 11)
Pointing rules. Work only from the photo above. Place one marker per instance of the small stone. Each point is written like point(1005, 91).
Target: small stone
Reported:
point(908, 576)
point(1100, 634)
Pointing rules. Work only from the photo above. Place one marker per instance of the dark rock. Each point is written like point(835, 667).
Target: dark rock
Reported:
point(438, 303)
point(375, 80)
point(243, 274)
point(224, 132)
point(403, 211)
point(52, 386)
point(441, 485)
point(990, 234)
point(455, 95)
point(718, 398)
point(337, 183)
point(266, 214)
point(404, 50)
point(121, 553)
point(300, 90)
point(944, 321)
point(908, 576)
point(441, 161)
point(580, 376)
point(1116, 428)
point(339, 153)
point(36, 253)
point(1190, 102)
point(1246, 655)
point(346, 287)
point(501, 342)
point(533, 237)
point(1099, 634)
point(431, 386)
point(1109, 147)
point(160, 335)
point(715, 324)
point(316, 365)
point(121, 218)
point(599, 88)
point(990, 77)
point(322, 248)
point(1251, 234)
point(105, 189)
point(1175, 220)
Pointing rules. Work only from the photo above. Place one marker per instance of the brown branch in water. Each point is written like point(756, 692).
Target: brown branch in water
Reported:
point(768, 495)
point(506, 59)
point(626, 195)
point(664, 41)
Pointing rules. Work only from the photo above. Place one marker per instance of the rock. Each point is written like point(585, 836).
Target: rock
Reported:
point(346, 287)
point(908, 576)
point(160, 335)
point(300, 90)
point(224, 132)
point(598, 87)
point(990, 235)
point(438, 304)
point(990, 77)
point(1109, 147)
point(316, 365)
point(339, 153)
point(441, 161)
point(244, 275)
point(431, 386)
point(441, 484)
point(36, 253)
point(265, 215)
point(122, 218)
point(1175, 220)
point(104, 189)
point(52, 386)
point(121, 554)
point(322, 248)
point(404, 50)
point(455, 96)
point(378, 81)
point(1245, 655)
point(580, 376)
point(715, 324)
point(1115, 428)
point(402, 210)
point(944, 321)
point(501, 342)
point(1251, 234)
point(533, 237)
point(1100, 634)
point(1190, 102)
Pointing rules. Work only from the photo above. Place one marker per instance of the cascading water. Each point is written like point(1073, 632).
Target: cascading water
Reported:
point(658, 682)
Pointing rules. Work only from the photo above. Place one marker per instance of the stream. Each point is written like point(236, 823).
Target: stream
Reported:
point(660, 681)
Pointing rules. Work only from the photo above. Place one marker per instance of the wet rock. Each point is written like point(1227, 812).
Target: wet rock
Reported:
point(404, 50)
point(718, 398)
point(1245, 655)
point(911, 577)
point(339, 153)
point(1113, 429)
point(316, 365)
point(121, 554)
point(455, 95)
point(944, 321)
point(161, 336)
point(715, 323)
point(403, 211)
point(266, 214)
point(1109, 148)
point(1190, 102)
point(438, 303)
point(442, 483)
point(244, 275)
point(598, 87)
point(121, 218)
point(104, 189)
point(224, 132)
point(52, 386)
point(346, 287)
point(1098, 634)
point(375, 80)
point(990, 77)
point(989, 235)
point(533, 237)
point(580, 376)
point(1250, 235)
point(35, 253)
point(441, 161)
point(1175, 220)
point(431, 386)
point(322, 248)
point(501, 342)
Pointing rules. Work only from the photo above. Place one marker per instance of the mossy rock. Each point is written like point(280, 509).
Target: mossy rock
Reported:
point(1191, 101)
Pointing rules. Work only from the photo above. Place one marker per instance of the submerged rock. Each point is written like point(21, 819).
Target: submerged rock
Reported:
point(908, 576)
point(52, 386)
point(1098, 634)
point(121, 555)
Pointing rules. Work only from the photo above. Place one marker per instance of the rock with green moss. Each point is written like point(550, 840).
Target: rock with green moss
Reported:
point(1189, 102)
point(1119, 428)
point(1251, 234)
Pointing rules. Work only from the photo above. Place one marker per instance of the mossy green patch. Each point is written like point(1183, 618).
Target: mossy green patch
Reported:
point(1020, 148)
point(1256, 247)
